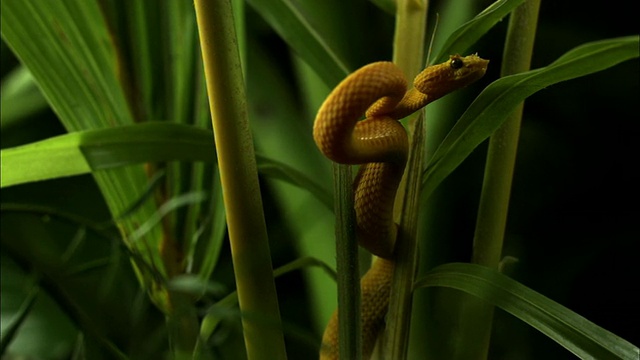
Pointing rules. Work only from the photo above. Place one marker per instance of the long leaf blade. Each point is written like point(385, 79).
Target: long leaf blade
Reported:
point(87, 151)
point(468, 33)
point(497, 101)
point(289, 23)
point(577, 334)
point(82, 152)
point(68, 48)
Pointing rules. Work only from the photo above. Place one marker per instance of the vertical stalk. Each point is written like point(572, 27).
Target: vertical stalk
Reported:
point(239, 178)
point(496, 188)
point(399, 316)
point(349, 326)
point(408, 42)
point(408, 54)
point(503, 145)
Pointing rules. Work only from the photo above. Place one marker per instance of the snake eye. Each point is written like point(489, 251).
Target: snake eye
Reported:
point(456, 63)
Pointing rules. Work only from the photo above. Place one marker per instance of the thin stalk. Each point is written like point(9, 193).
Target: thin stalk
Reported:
point(399, 318)
point(408, 42)
point(349, 326)
point(496, 188)
point(239, 177)
point(411, 18)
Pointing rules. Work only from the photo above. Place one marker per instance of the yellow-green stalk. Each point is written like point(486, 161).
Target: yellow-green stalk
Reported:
point(408, 54)
point(496, 187)
point(239, 177)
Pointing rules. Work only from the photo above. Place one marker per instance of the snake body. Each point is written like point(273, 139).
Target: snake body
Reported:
point(379, 143)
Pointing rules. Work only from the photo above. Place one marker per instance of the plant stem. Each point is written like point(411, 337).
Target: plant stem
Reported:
point(239, 177)
point(496, 188)
point(408, 42)
point(400, 302)
point(503, 145)
point(408, 54)
point(349, 326)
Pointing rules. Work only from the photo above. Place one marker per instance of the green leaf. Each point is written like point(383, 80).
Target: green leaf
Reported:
point(20, 97)
point(295, 177)
point(468, 33)
point(68, 48)
point(87, 151)
point(86, 272)
point(290, 24)
point(223, 307)
point(577, 334)
point(497, 101)
point(82, 152)
point(10, 327)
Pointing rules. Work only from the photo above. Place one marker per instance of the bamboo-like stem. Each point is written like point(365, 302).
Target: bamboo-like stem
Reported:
point(503, 145)
point(410, 30)
point(349, 326)
point(496, 188)
point(399, 317)
point(408, 42)
point(408, 46)
point(239, 178)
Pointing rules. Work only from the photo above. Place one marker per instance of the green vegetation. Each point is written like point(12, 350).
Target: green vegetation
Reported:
point(114, 230)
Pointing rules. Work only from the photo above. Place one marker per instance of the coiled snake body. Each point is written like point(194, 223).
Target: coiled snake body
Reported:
point(380, 144)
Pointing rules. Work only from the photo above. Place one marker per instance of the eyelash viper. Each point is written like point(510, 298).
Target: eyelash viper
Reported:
point(380, 144)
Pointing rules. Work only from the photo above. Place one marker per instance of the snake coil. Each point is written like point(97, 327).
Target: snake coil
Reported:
point(379, 144)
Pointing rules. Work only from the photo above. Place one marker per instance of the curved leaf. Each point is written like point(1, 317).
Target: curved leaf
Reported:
point(496, 102)
point(289, 23)
point(86, 151)
point(20, 97)
point(577, 334)
point(82, 152)
point(71, 53)
point(468, 33)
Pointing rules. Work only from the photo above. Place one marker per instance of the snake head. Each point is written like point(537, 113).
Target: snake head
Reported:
point(459, 71)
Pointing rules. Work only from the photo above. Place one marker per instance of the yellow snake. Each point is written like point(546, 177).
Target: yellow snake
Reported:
point(379, 143)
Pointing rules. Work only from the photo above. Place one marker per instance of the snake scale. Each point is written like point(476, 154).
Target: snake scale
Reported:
point(379, 144)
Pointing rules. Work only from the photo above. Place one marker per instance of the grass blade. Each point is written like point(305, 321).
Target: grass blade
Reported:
point(467, 34)
point(87, 151)
point(291, 25)
point(10, 330)
point(20, 97)
point(68, 48)
point(578, 335)
point(349, 326)
point(498, 100)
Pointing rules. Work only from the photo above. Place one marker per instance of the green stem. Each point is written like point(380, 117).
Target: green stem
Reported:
point(400, 302)
point(349, 326)
point(501, 157)
point(408, 53)
point(239, 177)
point(408, 42)
point(496, 188)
